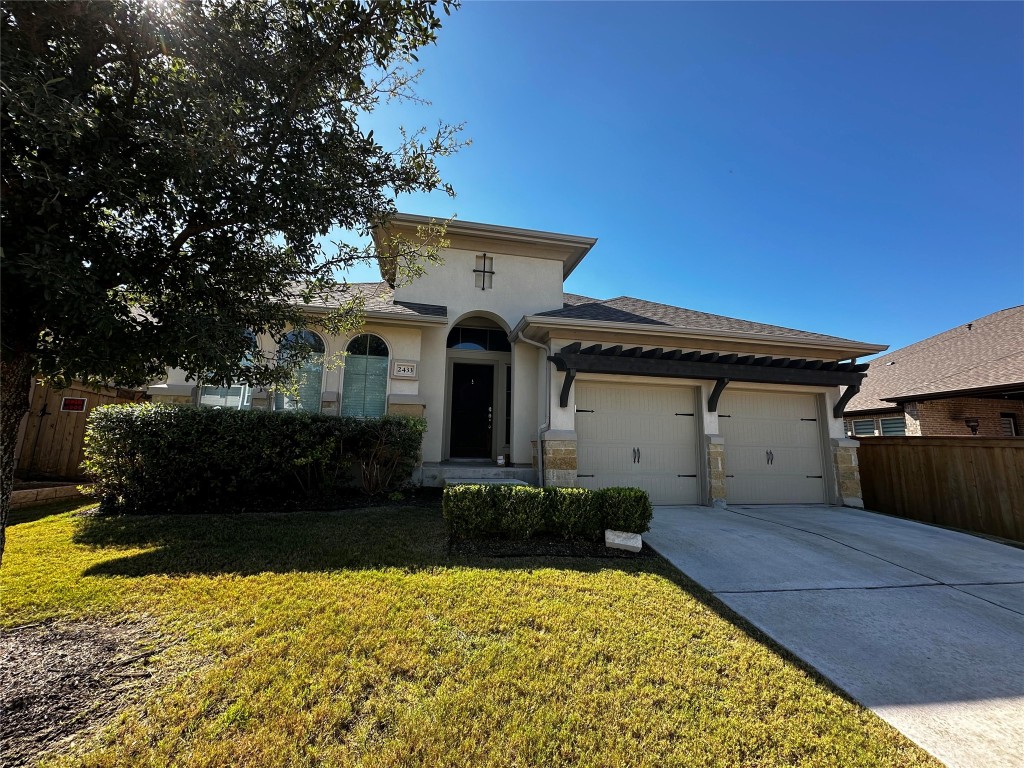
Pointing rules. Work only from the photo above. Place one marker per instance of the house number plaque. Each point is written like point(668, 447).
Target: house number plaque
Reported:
point(404, 369)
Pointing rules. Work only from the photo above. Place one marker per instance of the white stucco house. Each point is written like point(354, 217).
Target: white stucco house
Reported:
point(568, 390)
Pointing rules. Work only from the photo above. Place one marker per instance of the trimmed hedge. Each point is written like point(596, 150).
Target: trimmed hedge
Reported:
point(520, 511)
point(151, 457)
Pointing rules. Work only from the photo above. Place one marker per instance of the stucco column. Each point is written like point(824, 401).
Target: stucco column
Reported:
point(844, 462)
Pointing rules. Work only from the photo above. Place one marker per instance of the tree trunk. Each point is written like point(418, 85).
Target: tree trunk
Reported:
point(15, 382)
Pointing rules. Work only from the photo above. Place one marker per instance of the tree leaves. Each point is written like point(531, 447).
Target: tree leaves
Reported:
point(169, 173)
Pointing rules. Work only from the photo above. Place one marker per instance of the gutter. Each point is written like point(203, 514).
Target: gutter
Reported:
point(376, 315)
point(547, 405)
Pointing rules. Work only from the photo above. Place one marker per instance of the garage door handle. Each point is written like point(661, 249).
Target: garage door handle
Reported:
point(634, 455)
point(637, 455)
point(769, 457)
point(816, 477)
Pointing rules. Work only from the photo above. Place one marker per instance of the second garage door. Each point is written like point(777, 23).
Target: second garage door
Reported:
point(640, 436)
point(772, 448)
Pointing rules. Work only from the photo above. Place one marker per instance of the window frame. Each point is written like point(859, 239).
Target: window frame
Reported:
point(872, 433)
point(281, 350)
point(346, 370)
point(902, 423)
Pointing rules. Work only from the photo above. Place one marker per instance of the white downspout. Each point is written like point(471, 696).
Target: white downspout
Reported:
point(547, 407)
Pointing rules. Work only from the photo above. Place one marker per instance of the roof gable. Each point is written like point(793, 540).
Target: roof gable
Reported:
point(985, 353)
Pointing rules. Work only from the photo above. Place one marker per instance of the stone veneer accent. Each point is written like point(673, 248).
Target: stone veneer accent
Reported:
point(716, 469)
point(844, 460)
point(560, 463)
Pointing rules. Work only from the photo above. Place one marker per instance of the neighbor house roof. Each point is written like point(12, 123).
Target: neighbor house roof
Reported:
point(983, 356)
point(379, 301)
point(626, 309)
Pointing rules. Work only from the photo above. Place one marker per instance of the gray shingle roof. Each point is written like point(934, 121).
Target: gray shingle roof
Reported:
point(626, 309)
point(988, 352)
point(378, 297)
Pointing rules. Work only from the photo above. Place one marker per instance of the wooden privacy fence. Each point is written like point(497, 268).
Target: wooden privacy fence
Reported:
point(974, 483)
point(52, 443)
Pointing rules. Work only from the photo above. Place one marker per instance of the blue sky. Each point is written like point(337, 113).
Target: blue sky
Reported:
point(854, 169)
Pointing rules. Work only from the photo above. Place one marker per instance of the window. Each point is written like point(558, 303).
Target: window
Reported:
point(894, 426)
point(365, 390)
point(308, 377)
point(238, 397)
point(483, 273)
point(863, 427)
point(479, 339)
point(1008, 425)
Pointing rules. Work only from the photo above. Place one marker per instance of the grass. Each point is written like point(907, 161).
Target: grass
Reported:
point(352, 638)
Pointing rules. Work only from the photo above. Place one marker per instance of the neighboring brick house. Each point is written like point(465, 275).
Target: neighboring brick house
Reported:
point(968, 380)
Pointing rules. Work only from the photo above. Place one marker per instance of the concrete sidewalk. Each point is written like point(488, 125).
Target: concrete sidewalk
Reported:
point(923, 625)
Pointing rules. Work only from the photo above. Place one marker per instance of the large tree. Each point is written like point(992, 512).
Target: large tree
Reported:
point(170, 170)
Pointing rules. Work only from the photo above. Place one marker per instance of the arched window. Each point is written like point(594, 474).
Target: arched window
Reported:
point(479, 339)
point(308, 377)
point(365, 389)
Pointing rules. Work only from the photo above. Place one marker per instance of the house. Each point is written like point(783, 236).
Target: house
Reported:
point(968, 380)
point(570, 390)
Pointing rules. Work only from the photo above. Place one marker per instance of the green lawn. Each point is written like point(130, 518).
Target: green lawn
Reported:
point(352, 638)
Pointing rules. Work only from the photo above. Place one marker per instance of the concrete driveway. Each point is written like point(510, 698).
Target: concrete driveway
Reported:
point(923, 625)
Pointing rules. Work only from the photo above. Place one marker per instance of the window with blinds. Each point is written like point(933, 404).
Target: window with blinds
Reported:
point(863, 427)
point(893, 427)
point(364, 392)
point(238, 398)
point(1008, 425)
point(305, 393)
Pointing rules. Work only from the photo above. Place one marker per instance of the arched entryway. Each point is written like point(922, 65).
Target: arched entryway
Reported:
point(478, 421)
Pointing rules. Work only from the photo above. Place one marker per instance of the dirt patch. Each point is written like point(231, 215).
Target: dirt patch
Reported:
point(60, 680)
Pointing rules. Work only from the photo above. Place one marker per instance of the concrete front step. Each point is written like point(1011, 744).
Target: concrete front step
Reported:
point(439, 475)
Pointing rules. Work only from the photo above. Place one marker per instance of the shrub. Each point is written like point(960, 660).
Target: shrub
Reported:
point(170, 458)
point(387, 450)
point(519, 511)
point(573, 513)
point(625, 509)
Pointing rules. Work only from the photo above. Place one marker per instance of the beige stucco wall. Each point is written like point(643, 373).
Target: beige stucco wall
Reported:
point(525, 372)
point(521, 286)
point(432, 387)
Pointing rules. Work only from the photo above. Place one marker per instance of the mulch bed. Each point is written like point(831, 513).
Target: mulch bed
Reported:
point(58, 680)
point(543, 547)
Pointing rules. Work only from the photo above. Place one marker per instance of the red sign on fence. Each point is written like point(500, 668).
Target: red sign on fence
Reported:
point(73, 404)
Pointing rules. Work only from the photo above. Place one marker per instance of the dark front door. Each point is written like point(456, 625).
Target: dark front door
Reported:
point(472, 411)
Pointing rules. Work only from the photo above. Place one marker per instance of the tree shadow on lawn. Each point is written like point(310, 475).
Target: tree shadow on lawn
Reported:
point(410, 538)
point(368, 538)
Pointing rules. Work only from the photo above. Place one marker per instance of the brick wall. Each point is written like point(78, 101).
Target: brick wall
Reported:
point(946, 417)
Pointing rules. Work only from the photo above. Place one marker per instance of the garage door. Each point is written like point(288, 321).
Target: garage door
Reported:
point(772, 448)
point(640, 436)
